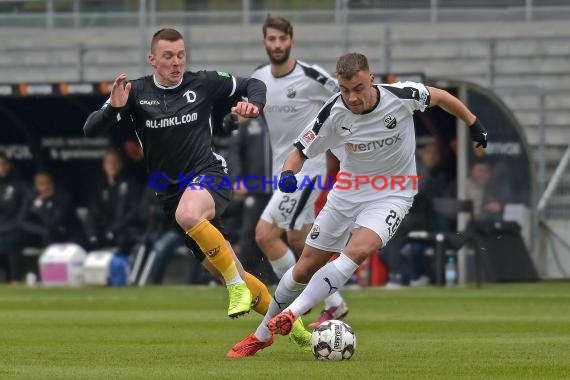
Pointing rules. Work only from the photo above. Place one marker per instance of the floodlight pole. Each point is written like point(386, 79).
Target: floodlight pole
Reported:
point(463, 145)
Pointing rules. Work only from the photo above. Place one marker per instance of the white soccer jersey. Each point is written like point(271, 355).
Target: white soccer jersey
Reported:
point(379, 146)
point(293, 100)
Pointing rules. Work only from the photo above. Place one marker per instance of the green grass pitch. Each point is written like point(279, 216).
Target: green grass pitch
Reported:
point(514, 331)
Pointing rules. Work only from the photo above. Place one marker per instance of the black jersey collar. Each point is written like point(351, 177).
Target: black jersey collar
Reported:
point(371, 109)
point(287, 73)
point(377, 100)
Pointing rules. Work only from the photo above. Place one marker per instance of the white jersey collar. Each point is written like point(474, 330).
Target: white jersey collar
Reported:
point(166, 87)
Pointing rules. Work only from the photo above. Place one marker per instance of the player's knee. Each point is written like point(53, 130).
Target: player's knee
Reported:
point(360, 251)
point(263, 235)
point(185, 218)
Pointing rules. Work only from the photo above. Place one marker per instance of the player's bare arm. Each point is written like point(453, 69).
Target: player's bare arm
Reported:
point(450, 104)
point(454, 106)
point(292, 165)
point(294, 161)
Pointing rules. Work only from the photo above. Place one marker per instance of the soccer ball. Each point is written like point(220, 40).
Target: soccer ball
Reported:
point(333, 340)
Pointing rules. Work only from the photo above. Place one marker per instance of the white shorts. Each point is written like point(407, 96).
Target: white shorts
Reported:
point(291, 211)
point(333, 227)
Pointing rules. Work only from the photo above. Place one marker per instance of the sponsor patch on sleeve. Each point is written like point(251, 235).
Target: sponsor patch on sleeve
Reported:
point(224, 74)
point(308, 137)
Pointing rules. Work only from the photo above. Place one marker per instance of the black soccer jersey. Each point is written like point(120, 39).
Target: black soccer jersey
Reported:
point(173, 124)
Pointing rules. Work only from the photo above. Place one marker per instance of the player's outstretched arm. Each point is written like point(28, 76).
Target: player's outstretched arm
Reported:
point(294, 161)
point(255, 91)
point(98, 122)
point(450, 104)
point(454, 106)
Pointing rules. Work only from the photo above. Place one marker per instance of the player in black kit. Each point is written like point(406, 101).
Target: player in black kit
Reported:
point(171, 111)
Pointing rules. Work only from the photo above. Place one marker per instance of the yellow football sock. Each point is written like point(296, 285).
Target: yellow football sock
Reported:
point(259, 292)
point(214, 246)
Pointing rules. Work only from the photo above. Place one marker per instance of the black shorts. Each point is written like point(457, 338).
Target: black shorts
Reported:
point(221, 193)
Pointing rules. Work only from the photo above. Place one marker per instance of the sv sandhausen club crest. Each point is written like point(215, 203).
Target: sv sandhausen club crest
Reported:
point(390, 121)
point(291, 93)
point(315, 232)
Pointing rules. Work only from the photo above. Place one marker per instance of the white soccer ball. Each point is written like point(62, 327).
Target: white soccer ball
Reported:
point(333, 340)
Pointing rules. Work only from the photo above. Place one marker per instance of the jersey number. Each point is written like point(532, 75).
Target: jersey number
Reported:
point(393, 222)
point(284, 207)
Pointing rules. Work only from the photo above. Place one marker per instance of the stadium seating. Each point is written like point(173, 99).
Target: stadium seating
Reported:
point(528, 55)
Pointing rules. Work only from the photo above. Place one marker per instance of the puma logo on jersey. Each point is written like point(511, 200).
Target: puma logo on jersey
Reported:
point(347, 129)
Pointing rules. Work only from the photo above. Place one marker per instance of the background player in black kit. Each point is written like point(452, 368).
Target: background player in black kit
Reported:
point(171, 111)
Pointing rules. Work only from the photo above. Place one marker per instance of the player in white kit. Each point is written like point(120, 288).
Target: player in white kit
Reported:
point(295, 93)
point(374, 189)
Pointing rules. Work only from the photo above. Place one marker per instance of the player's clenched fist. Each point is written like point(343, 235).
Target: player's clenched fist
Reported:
point(246, 109)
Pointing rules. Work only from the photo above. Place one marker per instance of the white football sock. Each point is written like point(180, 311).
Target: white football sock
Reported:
point(334, 300)
point(282, 264)
point(287, 290)
point(324, 282)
